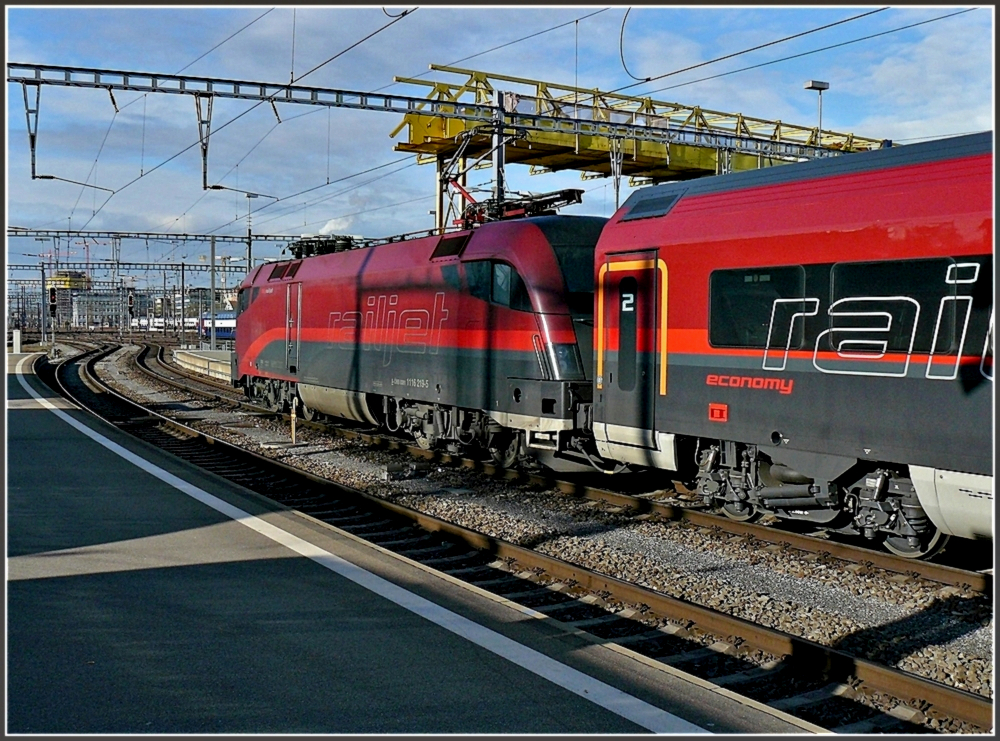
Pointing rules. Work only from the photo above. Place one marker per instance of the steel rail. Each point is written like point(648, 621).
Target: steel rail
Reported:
point(796, 651)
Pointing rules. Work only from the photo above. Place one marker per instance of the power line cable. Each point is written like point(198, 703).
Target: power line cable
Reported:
point(358, 43)
point(504, 45)
point(126, 105)
point(291, 75)
point(728, 56)
point(251, 108)
point(621, 49)
point(331, 196)
point(815, 51)
point(308, 190)
point(224, 41)
point(459, 61)
point(401, 15)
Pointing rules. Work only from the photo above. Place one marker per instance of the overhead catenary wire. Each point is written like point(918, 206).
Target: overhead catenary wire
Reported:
point(621, 48)
point(642, 81)
point(251, 108)
point(126, 105)
point(815, 51)
point(294, 209)
point(291, 75)
point(504, 45)
point(232, 35)
point(396, 18)
point(575, 21)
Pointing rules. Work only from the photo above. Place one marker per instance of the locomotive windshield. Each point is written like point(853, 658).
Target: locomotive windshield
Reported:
point(573, 240)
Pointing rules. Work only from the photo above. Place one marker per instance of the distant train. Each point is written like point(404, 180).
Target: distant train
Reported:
point(156, 324)
point(225, 325)
point(811, 340)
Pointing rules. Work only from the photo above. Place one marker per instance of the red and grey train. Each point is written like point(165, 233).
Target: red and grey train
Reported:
point(813, 341)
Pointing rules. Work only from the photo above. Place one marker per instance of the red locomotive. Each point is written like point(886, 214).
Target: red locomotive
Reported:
point(474, 337)
point(810, 340)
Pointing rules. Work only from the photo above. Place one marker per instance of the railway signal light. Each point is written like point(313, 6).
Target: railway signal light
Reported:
point(52, 300)
point(131, 303)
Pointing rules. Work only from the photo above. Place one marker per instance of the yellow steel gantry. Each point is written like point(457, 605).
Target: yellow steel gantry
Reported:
point(702, 147)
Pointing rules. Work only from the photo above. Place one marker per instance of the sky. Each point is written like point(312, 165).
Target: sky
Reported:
point(930, 80)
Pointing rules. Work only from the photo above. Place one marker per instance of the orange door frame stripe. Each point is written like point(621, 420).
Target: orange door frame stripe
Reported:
point(614, 267)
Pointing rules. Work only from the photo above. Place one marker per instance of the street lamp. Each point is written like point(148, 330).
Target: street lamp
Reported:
point(819, 87)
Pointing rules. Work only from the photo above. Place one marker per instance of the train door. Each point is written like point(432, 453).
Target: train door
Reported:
point(631, 355)
point(293, 324)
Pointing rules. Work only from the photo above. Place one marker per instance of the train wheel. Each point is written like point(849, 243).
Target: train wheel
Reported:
point(927, 548)
point(749, 513)
point(504, 448)
point(308, 413)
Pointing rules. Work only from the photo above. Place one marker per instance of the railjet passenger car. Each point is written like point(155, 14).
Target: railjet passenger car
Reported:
point(813, 340)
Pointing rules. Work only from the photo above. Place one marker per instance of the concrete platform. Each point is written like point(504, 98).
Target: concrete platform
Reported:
point(145, 596)
point(214, 363)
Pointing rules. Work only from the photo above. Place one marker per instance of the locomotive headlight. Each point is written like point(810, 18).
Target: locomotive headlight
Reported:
point(565, 358)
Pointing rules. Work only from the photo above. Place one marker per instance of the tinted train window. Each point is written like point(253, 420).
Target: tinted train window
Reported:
point(278, 271)
point(741, 302)
point(897, 288)
point(628, 300)
point(479, 276)
point(509, 289)
point(451, 277)
point(293, 269)
point(256, 291)
point(241, 301)
point(497, 282)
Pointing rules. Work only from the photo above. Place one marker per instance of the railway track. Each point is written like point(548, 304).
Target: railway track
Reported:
point(822, 686)
point(151, 361)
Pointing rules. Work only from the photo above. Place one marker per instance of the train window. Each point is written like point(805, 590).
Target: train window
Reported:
point(450, 245)
point(628, 300)
point(256, 291)
point(508, 288)
point(908, 291)
point(451, 276)
point(478, 274)
point(293, 269)
point(741, 303)
point(278, 271)
point(241, 301)
point(497, 282)
point(501, 284)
